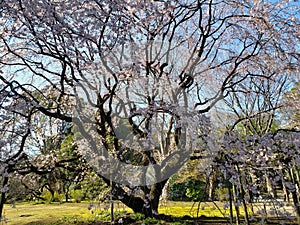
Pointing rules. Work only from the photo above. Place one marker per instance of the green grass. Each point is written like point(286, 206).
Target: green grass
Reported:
point(55, 213)
point(78, 213)
point(25, 213)
point(67, 213)
point(36, 214)
point(179, 209)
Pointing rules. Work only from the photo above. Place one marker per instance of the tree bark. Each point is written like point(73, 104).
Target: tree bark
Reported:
point(147, 205)
point(2, 196)
point(165, 192)
point(67, 197)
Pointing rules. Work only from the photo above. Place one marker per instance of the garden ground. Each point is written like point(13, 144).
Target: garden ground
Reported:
point(87, 213)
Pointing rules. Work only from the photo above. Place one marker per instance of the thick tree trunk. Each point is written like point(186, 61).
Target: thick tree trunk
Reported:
point(148, 205)
point(2, 196)
point(165, 192)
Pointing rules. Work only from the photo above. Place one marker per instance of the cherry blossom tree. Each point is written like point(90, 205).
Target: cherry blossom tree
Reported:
point(254, 129)
point(15, 117)
point(151, 69)
point(290, 114)
point(246, 160)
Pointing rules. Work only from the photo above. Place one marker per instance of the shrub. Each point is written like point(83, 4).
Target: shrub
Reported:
point(177, 192)
point(77, 196)
point(189, 190)
point(195, 190)
point(221, 194)
point(59, 197)
point(47, 196)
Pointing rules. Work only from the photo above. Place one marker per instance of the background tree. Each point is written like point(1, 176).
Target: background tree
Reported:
point(53, 160)
point(14, 131)
point(290, 114)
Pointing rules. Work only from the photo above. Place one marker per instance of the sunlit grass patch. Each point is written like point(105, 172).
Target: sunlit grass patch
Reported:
point(81, 213)
point(27, 213)
point(196, 209)
point(180, 209)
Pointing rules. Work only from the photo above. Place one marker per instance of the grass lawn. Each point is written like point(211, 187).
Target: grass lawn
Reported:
point(37, 214)
point(78, 213)
point(26, 213)
point(180, 209)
